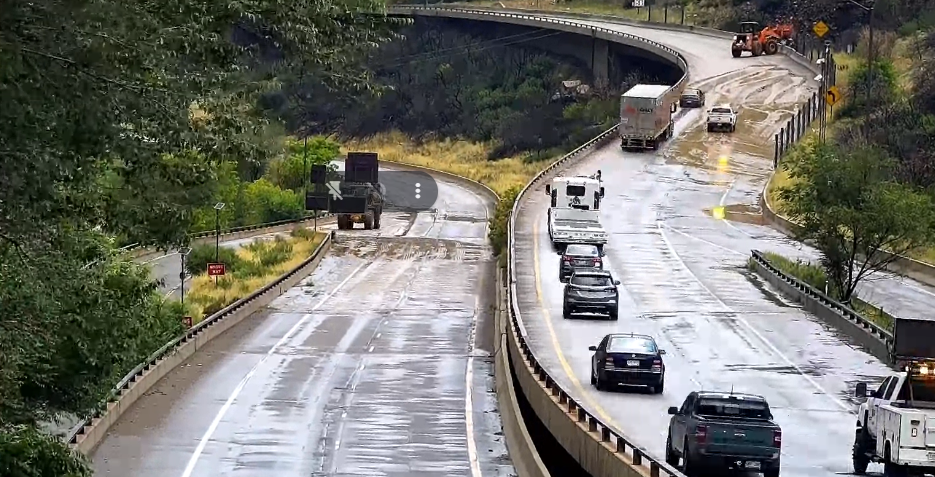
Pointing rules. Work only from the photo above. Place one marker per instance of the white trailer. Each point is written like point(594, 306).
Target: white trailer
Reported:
point(646, 116)
point(578, 192)
point(568, 226)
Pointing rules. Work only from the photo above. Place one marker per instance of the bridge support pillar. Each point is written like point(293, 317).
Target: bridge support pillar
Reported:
point(600, 59)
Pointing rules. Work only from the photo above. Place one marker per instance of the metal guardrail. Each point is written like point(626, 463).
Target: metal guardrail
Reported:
point(874, 329)
point(184, 338)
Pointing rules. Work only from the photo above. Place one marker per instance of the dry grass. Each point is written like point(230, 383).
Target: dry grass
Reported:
point(617, 9)
point(464, 158)
point(204, 296)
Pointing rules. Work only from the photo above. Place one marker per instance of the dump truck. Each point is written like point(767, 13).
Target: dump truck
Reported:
point(759, 41)
point(646, 116)
point(360, 196)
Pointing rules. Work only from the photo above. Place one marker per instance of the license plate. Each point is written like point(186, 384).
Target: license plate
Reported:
point(752, 465)
point(633, 362)
point(931, 456)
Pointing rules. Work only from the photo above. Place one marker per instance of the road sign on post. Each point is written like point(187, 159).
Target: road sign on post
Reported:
point(832, 96)
point(187, 322)
point(639, 3)
point(216, 269)
point(821, 29)
point(319, 174)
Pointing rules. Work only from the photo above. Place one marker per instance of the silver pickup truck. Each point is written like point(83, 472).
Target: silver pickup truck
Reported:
point(722, 118)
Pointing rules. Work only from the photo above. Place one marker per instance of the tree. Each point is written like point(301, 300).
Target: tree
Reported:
point(292, 171)
point(29, 453)
point(849, 205)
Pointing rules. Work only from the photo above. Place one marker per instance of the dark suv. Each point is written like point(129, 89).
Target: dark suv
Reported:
point(628, 359)
point(593, 291)
point(579, 256)
point(692, 98)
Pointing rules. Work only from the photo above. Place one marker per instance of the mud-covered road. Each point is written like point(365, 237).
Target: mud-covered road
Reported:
point(378, 364)
point(684, 279)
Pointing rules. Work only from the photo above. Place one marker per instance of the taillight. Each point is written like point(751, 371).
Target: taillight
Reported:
point(657, 365)
point(701, 434)
point(609, 362)
point(597, 261)
point(566, 259)
point(777, 438)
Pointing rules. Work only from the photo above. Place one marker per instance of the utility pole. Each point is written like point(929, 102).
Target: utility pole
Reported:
point(183, 253)
point(870, 68)
point(217, 235)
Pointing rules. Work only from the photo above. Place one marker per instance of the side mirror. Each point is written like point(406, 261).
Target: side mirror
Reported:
point(861, 390)
point(662, 351)
point(616, 282)
point(673, 410)
point(559, 254)
point(674, 107)
point(548, 189)
point(592, 348)
point(602, 192)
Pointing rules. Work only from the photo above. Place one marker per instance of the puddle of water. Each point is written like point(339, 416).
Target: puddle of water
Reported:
point(745, 213)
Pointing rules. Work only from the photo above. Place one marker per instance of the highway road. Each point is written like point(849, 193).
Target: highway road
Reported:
point(684, 279)
point(378, 364)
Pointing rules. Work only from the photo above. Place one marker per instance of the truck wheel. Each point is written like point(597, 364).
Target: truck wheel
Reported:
point(859, 457)
point(736, 52)
point(710, 128)
point(671, 457)
point(772, 471)
point(342, 222)
point(688, 465)
point(772, 47)
point(613, 314)
point(892, 470)
point(566, 312)
point(659, 388)
point(368, 221)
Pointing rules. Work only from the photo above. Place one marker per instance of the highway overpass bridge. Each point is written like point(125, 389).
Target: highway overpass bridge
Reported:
point(311, 389)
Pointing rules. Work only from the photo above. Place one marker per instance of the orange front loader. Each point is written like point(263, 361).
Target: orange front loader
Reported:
point(759, 41)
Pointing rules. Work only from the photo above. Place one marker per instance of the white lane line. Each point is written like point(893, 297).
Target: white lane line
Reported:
point(160, 257)
point(468, 394)
point(753, 330)
point(702, 240)
point(243, 382)
point(721, 204)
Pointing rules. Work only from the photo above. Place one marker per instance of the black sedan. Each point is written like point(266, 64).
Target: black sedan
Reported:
point(628, 359)
point(692, 98)
point(592, 291)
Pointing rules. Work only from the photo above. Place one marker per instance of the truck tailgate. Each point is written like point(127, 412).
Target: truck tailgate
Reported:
point(741, 438)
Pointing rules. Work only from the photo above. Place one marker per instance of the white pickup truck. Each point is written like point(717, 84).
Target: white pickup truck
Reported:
point(896, 424)
point(567, 226)
point(722, 118)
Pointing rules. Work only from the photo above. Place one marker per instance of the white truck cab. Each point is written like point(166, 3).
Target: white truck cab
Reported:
point(896, 424)
point(577, 192)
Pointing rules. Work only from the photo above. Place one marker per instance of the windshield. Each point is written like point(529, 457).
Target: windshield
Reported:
point(923, 389)
point(574, 190)
point(716, 407)
point(591, 280)
point(582, 250)
point(720, 110)
point(631, 344)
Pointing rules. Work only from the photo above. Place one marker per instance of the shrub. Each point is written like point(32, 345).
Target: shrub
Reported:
point(500, 222)
point(197, 261)
point(264, 202)
point(809, 273)
point(27, 452)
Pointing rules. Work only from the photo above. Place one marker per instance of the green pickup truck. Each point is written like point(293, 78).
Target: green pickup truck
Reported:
point(715, 431)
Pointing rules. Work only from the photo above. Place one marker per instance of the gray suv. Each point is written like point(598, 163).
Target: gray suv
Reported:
point(579, 256)
point(593, 291)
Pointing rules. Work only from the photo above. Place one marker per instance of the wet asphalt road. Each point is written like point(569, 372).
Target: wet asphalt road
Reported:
point(378, 364)
point(684, 279)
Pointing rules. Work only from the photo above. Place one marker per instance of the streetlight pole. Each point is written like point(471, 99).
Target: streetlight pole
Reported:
point(217, 235)
point(183, 253)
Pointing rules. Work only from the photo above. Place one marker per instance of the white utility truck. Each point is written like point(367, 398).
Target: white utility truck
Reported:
point(722, 118)
point(896, 424)
point(646, 116)
point(574, 210)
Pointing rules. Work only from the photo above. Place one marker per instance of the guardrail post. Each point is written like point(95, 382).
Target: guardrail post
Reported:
point(592, 424)
point(653, 470)
point(776, 152)
point(621, 445)
point(637, 457)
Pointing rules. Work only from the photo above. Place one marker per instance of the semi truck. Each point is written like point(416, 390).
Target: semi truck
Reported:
point(896, 423)
point(362, 196)
point(646, 116)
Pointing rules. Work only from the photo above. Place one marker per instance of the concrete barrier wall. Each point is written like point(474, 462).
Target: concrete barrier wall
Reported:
point(88, 434)
point(870, 336)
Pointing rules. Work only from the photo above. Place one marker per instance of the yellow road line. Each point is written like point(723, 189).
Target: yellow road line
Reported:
point(555, 344)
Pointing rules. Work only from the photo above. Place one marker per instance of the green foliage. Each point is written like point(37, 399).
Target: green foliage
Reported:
point(453, 84)
point(26, 452)
point(870, 88)
point(293, 170)
point(848, 203)
point(197, 261)
point(267, 203)
point(500, 222)
point(248, 203)
point(265, 255)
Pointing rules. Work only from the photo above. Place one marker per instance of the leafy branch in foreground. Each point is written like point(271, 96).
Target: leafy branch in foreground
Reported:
point(849, 205)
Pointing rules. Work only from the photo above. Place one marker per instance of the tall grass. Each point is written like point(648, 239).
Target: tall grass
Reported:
point(258, 264)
